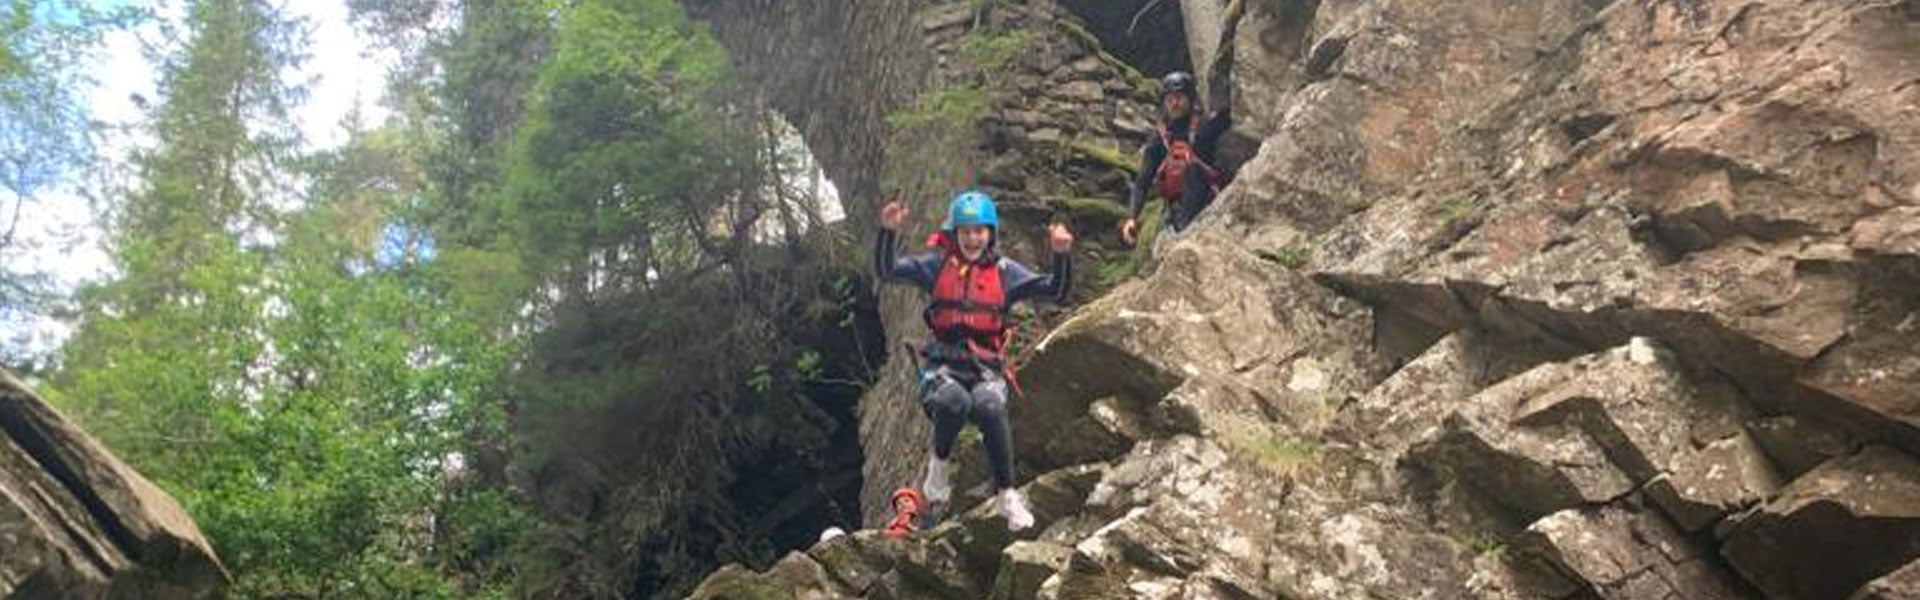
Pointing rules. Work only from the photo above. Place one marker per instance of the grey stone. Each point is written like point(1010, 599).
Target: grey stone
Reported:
point(77, 522)
point(1903, 584)
point(1859, 515)
point(1626, 554)
point(1025, 565)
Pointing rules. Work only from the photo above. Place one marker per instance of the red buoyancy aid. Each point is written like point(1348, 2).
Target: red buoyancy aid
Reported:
point(1172, 175)
point(969, 305)
point(968, 302)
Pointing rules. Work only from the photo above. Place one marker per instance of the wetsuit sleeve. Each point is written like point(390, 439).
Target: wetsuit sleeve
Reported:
point(1207, 140)
point(1024, 284)
point(1150, 157)
point(918, 270)
point(1220, 73)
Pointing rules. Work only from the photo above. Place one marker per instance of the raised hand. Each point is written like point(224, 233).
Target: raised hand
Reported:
point(1129, 229)
point(893, 214)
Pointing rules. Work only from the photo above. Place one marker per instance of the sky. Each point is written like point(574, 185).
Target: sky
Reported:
point(340, 73)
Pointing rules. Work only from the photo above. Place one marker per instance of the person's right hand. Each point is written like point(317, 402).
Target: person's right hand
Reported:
point(1128, 229)
point(893, 214)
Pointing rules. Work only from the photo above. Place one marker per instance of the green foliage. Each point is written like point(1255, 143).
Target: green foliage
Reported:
point(990, 51)
point(1278, 453)
point(305, 400)
point(1112, 272)
point(1294, 256)
point(1458, 207)
point(46, 135)
point(542, 280)
point(44, 128)
point(1486, 546)
point(943, 109)
point(626, 130)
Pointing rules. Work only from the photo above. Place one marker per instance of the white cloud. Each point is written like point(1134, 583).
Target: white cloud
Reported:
point(347, 71)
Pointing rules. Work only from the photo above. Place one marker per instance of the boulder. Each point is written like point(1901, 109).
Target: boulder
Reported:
point(77, 522)
point(1832, 530)
point(1620, 553)
point(1025, 565)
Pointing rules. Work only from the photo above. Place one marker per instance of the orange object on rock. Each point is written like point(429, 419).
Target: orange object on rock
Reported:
point(907, 504)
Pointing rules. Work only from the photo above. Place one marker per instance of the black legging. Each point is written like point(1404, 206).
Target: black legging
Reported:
point(949, 402)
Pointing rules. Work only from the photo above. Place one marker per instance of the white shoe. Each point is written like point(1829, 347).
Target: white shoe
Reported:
point(1014, 506)
point(938, 489)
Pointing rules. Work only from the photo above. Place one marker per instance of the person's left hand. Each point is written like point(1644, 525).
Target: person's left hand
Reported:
point(1060, 237)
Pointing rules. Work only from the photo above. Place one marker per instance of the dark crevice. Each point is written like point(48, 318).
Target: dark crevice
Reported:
point(1325, 54)
point(1155, 44)
point(789, 496)
point(1581, 127)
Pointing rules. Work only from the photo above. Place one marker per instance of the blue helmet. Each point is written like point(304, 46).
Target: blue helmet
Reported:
point(971, 207)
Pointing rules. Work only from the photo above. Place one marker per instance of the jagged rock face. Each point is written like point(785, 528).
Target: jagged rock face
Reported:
point(75, 522)
point(1567, 299)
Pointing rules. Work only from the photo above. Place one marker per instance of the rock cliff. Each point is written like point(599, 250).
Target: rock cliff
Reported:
point(1560, 299)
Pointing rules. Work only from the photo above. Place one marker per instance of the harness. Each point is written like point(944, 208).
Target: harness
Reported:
point(968, 315)
point(1172, 175)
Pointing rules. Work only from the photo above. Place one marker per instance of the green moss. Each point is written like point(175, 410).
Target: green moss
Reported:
point(1115, 270)
point(1085, 208)
point(1149, 229)
point(991, 51)
point(1280, 454)
point(1485, 545)
point(1108, 156)
point(1111, 272)
point(1256, 442)
point(934, 137)
point(1293, 257)
point(950, 107)
point(1457, 207)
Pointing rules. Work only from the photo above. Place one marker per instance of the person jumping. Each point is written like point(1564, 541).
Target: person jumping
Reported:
point(964, 376)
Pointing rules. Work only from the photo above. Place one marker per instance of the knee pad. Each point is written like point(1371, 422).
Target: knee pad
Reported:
point(990, 396)
point(943, 395)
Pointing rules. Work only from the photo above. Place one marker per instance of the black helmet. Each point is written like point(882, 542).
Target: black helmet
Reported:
point(1178, 81)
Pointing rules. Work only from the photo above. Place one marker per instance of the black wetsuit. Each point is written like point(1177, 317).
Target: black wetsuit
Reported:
point(1197, 191)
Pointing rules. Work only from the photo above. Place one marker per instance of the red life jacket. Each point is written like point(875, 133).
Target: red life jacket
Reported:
point(969, 305)
point(1172, 175)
